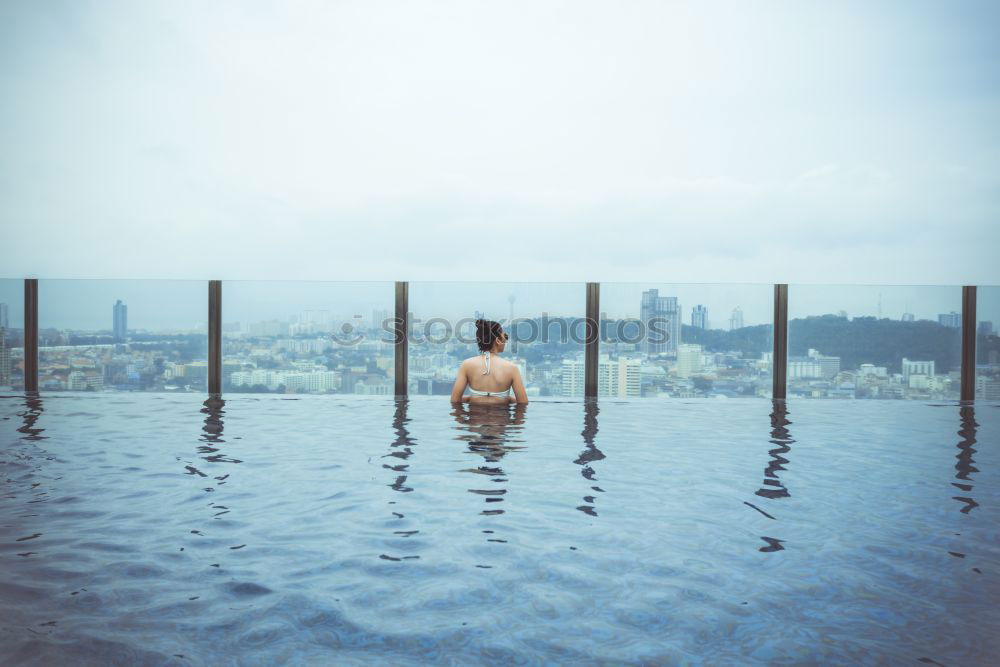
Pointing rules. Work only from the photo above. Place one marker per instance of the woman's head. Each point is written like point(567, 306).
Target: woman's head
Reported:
point(489, 332)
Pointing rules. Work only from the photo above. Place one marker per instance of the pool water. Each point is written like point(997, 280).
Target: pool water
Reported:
point(166, 529)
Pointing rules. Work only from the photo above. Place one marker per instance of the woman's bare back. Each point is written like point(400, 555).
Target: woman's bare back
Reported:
point(503, 378)
point(500, 377)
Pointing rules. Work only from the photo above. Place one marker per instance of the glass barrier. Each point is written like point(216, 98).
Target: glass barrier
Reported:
point(123, 335)
point(11, 335)
point(885, 342)
point(657, 339)
point(988, 343)
point(545, 323)
point(308, 337)
point(664, 340)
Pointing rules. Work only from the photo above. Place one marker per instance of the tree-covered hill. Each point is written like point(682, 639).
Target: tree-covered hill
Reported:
point(881, 342)
point(750, 341)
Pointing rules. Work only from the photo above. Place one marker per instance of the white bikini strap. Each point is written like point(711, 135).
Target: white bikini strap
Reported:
point(487, 353)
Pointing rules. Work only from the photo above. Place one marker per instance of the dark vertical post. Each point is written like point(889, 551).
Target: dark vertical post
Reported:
point(779, 361)
point(968, 343)
point(31, 335)
point(215, 337)
point(593, 339)
point(402, 331)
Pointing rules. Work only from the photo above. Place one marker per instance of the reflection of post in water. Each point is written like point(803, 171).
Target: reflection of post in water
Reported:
point(401, 446)
point(400, 449)
point(33, 403)
point(964, 466)
point(211, 438)
point(487, 429)
point(773, 488)
point(590, 453)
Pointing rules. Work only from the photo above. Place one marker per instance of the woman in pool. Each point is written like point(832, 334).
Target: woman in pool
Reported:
point(495, 376)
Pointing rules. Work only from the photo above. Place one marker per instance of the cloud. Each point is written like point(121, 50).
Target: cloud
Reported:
point(542, 140)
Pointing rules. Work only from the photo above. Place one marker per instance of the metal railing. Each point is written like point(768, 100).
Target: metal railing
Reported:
point(401, 329)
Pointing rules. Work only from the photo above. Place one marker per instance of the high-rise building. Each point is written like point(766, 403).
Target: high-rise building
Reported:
point(4, 324)
point(120, 328)
point(804, 367)
point(379, 316)
point(662, 313)
point(615, 377)
point(828, 366)
point(573, 377)
point(736, 319)
point(911, 367)
point(952, 320)
point(699, 316)
point(688, 360)
point(318, 319)
point(985, 328)
point(987, 388)
point(907, 317)
point(4, 359)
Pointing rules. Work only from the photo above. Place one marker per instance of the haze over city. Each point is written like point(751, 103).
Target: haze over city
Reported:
point(545, 141)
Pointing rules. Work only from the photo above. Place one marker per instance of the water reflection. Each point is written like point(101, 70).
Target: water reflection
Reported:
point(488, 429)
point(212, 432)
point(967, 429)
point(590, 453)
point(31, 461)
point(33, 403)
point(401, 447)
point(773, 488)
point(211, 438)
point(401, 450)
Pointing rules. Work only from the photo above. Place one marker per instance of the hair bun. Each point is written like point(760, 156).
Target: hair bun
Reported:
point(486, 332)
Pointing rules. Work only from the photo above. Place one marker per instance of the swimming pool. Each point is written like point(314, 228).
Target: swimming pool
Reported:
point(316, 530)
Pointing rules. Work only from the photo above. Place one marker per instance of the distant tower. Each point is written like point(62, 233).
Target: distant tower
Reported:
point(4, 358)
point(120, 328)
point(736, 319)
point(665, 308)
point(3, 316)
point(510, 325)
point(880, 305)
point(379, 316)
point(699, 316)
point(952, 320)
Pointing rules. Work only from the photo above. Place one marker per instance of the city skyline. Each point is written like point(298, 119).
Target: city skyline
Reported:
point(271, 356)
point(167, 305)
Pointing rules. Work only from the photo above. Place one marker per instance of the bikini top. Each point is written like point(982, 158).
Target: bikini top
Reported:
point(486, 372)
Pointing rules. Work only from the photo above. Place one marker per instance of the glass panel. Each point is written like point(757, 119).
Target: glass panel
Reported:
point(11, 335)
point(308, 337)
point(128, 335)
point(546, 340)
point(874, 341)
point(661, 340)
point(988, 343)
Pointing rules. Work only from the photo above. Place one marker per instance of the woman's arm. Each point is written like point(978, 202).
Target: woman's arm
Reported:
point(520, 395)
point(460, 382)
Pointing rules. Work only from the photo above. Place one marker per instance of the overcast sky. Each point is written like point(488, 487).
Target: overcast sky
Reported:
point(700, 142)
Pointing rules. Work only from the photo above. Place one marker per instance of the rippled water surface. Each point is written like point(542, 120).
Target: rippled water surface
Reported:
point(159, 529)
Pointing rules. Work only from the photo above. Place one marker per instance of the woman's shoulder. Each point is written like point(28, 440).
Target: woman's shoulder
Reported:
point(503, 363)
